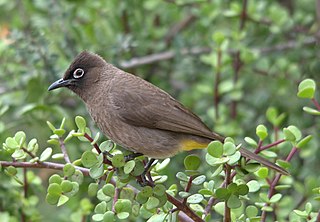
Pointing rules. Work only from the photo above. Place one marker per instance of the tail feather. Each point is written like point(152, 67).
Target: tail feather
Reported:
point(246, 153)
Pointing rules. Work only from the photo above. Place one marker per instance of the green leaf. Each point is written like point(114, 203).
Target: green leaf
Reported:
point(192, 162)
point(146, 191)
point(123, 215)
point(242, 189)
point(182, 176)
point(108, 216)
point(97, 217)
point(215, 149)
point(251, 211)
point(54, 188)
point(195, 198)
point(96, 171)
point(222, 193)
point(118, 160)
point(251, 142)
point(123, 205)
point(92, 189)
point(261, 132)
point(229, 148)
point(51, 126)
point(275, 198)
point(55, 178)
point(58, 156)
point(162, 165)
point(66, 186)
point(20, 137)
point(106, 146)
point(19, 154)
point(100, 208)
point(288, 135)
point(262, 172)
point(300, 213)
point(218, 37)
point(159, 190)
point(199, 180)
point(46, 154)
point(311, 111)
point(11, 143)
point(302, 143)
point(152, 203)
point(129, 166)
point(254, 186)
point(306, 89)
point(233, 202)
point(234, 158)
point(89, 159)
point(52, 198)
point(81, 123)
point(108, 189)
point(68, 170)
point(11, 171)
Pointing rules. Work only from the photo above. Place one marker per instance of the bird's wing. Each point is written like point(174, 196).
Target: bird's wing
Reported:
point(142, 104)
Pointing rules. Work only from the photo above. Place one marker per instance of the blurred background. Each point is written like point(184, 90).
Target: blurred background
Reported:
point(228, 61)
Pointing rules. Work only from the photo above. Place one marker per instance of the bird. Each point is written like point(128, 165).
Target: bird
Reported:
point(138, 115)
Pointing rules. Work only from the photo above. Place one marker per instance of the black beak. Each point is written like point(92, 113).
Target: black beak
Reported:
point(60, 83)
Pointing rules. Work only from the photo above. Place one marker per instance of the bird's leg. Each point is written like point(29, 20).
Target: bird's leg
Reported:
point(132, 156)
point(146, 172)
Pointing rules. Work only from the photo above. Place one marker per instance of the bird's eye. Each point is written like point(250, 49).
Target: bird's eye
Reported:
point(78, 73)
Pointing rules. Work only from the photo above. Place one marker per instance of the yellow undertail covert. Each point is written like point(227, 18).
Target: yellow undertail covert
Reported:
point(191, 145)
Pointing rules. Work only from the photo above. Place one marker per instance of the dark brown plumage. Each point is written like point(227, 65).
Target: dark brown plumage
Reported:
point(136, 114)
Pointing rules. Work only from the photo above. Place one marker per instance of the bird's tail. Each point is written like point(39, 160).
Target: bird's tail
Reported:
point(248, 154)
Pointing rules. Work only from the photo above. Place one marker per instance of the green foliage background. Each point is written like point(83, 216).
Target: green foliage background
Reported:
point(276, 44)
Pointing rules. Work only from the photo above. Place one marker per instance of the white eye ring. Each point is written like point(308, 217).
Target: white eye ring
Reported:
point(78, 73)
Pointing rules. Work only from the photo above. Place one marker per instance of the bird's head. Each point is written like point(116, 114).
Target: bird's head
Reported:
point(83, 74)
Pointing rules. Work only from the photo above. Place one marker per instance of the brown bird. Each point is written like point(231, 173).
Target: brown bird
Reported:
point(136, 114)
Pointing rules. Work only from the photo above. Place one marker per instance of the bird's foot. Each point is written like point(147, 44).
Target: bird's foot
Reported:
point(132, 156)
point(143, 181)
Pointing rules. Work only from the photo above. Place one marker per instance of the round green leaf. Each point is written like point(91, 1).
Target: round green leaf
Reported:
point(141, 199)
point(215, 149)
point(146, 191)
point(233, 202)
point(182, 176)
point(229, 148)
point(123, 215)
point(108, 216)
point(192, 162)
point(152, 203)
point(108, 189)
point(159, 190)
point(261, 132)
point(251, 211)
point(68, 170)
point(123, 205)
point(306, 89)
point(262, 172)
point(55, 178)
point(66, 186)
point(97, 217)
point(242, 189)
point(118, 160)
point(100, 207)
point(251, 141)
point(96, 171)
point(52, 198)
point(254, 186)
point(54, 188)
point(222, 193)
point(89, 159)
point(275, 198)
point(138, 168)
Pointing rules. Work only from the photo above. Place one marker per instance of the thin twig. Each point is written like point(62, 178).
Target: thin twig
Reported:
point(227, 212)
point(166, 55)
point(275, 182)
point(315, 102)
point(64, 151)
point(188, 187)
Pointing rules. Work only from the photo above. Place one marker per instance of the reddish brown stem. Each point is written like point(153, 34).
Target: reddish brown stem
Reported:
point(315, 102)
point(275, 182)
point(96, 146)
point(182, 207)
point(216, 84)
point(187, 189)
point(227, 212)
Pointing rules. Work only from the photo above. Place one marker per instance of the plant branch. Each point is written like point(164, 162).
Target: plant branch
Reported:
point(227, 212)
point(182, 207)
point(166, 55)
point(64, 151)
point(275, 182)
point(315, 102)
point(269, 145)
